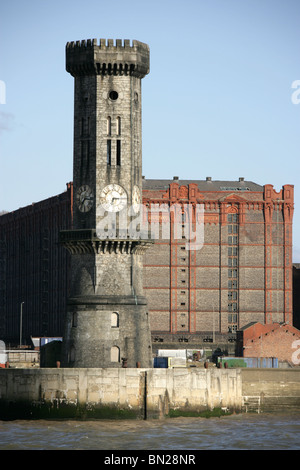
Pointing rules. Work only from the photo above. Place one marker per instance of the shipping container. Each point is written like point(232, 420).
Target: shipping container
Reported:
point(176, 362)
point(160, 362)
point(250, 362)
point(171, 353)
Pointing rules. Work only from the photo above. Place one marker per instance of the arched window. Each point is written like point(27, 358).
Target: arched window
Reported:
point(115, 354)
point(115, 320)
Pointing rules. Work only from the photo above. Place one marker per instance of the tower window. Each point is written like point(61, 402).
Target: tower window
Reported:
point(118, 125)
point(113, 95)
point(115, 320)
point(115, 354)
point(71, 355)
point(118, 152)
point(74, 319)
point(109, 125)
point(109, 152)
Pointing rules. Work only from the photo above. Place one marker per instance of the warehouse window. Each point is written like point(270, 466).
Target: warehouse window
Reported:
point(232, 273)
point(232, 284)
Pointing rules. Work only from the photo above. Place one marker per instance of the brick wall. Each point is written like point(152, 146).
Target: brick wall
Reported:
point(171, 276)
point(277, 340)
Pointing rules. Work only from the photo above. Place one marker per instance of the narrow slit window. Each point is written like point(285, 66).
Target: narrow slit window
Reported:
point(118, 152)
point(109, 152)
point(118, 125)
point(109, 125)
point(74, 319)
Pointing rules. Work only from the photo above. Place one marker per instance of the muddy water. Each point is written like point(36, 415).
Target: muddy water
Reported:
point(244, 431)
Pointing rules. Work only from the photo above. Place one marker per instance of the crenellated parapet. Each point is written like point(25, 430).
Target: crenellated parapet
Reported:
point(108, 57)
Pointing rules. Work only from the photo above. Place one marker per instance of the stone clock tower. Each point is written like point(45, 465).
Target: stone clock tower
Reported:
point(107, 322)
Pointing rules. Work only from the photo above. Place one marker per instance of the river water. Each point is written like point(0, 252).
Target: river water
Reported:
point(233, 432)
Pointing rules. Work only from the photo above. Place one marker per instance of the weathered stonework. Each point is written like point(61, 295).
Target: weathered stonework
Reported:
point(107, 321)
point(144, 393)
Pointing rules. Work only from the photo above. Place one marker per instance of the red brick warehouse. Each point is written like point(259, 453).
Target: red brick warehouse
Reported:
point(242, 274)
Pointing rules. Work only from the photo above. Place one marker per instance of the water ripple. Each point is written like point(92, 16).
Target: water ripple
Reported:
point(243, 431)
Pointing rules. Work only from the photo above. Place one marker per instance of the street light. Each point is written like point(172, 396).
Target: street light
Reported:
point(21, 314)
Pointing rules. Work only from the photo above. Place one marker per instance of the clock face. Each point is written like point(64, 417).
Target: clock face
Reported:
point(113, 198)
point(136, 199)
point(84, 198)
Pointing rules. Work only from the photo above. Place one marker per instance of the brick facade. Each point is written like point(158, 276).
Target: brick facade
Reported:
point(240, 275)
point(188, 291)
point(33, 268)
point(273, 340)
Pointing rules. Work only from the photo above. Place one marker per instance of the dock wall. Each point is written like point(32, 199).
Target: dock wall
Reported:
point(144, 393)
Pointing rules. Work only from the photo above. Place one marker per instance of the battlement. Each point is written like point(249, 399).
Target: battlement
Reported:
point(108, 57)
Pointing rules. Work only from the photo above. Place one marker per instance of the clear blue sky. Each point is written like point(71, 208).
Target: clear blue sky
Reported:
point(217, 101)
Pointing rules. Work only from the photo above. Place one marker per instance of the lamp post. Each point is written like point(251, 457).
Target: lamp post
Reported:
point(21, 315)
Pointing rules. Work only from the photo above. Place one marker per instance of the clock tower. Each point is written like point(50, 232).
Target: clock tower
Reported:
point(107, 322)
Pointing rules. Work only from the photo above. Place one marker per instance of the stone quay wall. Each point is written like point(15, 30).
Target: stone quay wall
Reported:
point(94, 393)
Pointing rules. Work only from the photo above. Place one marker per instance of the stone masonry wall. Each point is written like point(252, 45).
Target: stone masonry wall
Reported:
point(143, 393)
